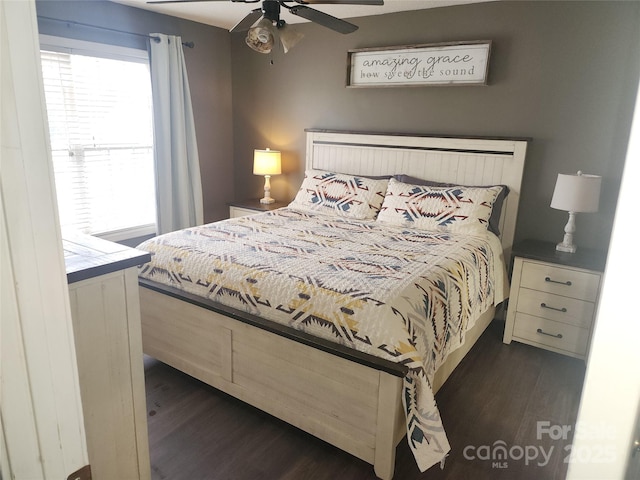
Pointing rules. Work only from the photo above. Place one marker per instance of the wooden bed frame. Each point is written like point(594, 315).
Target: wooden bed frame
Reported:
point(347, 398)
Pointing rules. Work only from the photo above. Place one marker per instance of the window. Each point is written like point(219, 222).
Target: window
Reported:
point(100, 123)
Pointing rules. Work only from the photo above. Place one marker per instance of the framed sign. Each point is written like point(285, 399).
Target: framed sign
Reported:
point(462, 63)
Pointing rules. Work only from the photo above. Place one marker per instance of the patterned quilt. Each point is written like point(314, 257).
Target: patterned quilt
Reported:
point(404, 295)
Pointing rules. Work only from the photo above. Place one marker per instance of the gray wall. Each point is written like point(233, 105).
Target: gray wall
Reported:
point(562, 73)
point(208, 68)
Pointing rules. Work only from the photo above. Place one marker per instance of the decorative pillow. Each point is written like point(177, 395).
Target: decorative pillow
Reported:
point(494, 220)
point(456, 208)
point(345, 195)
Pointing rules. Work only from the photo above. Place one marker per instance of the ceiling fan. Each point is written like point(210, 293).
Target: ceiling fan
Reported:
point(261, 37)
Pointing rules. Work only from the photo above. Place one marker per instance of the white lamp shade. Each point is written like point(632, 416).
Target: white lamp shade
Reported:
point(266, 162)
point(577, 193)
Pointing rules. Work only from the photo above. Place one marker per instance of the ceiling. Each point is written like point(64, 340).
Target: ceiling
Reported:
point(226, 14)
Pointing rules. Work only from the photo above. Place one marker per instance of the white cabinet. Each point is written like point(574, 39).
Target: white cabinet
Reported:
point(552, 305)
point(105, 309)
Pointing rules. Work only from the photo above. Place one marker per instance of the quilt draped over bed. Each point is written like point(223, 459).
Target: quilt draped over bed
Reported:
point(401, 294)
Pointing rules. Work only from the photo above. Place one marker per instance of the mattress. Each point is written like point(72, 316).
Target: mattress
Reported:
point(401, 294)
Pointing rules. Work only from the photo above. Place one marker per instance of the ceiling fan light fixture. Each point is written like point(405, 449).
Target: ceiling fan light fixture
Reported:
point(289, 37)
point(261, 38)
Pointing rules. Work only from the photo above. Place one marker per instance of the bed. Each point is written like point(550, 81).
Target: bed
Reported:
point(342, 383)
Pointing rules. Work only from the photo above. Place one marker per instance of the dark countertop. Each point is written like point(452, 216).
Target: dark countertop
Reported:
point(254, 204)
point(87, 257)
point(586, 258)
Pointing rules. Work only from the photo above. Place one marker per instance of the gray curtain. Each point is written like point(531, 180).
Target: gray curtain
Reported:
point(178, 185)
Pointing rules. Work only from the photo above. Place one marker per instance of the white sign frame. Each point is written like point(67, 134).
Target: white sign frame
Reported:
point(459, 63)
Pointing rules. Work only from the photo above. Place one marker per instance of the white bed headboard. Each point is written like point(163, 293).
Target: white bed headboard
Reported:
point(464, 161)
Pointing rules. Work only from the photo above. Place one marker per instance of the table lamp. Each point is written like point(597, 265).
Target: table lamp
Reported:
point(266, 162)
point(575, 193)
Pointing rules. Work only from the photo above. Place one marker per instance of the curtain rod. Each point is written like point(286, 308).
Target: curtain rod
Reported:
point(72, 22)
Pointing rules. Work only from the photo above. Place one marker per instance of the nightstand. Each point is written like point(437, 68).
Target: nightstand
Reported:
point(554, 297)
point(251, 207)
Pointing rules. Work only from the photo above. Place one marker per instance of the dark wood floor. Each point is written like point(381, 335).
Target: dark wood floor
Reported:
point(497, 394)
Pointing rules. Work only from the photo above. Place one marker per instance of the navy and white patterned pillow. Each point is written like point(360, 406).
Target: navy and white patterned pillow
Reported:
point(340, 194)
point(496, 211)
point(455, 208)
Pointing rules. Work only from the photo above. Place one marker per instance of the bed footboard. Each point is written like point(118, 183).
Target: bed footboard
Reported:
point(352, 406)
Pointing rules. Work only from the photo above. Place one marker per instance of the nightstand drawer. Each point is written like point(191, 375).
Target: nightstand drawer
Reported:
point(548, 333)
point(235, 212)
point(555, 307)
point(560, 281)
point(252, 207)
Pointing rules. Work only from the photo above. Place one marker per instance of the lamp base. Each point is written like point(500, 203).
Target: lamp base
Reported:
point(561, 247)
point(267, 191)
point(567, 244)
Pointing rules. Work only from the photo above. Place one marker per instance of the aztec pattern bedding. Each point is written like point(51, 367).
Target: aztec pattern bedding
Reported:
point(401, 294)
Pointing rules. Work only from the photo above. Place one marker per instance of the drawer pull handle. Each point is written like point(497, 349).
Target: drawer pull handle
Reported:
point(559, 335)
point(563, 309)
point(567, 283)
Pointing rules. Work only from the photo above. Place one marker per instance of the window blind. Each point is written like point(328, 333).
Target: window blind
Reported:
point(100, 123)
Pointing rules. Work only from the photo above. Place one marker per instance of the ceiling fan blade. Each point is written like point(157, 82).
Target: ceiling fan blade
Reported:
point(342, 2)
point(323, 19)
point(247, 21)
point(191, 1)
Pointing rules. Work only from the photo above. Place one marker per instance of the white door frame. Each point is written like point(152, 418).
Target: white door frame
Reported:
point(606, 424)
point(40, 409)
